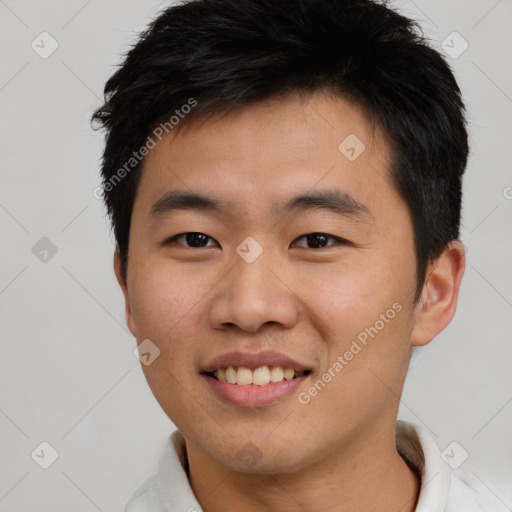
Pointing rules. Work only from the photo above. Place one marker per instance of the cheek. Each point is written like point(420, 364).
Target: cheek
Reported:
point(363, 373)
point(161, 296)
point(363, 316)
point(166, 308)
point(348, 297)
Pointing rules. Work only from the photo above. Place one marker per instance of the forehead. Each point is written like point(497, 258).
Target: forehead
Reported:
point(270, 151)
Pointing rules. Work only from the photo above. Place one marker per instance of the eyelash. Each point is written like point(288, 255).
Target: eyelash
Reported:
point(339, 241)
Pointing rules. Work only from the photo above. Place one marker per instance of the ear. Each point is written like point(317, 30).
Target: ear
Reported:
point(440, 293)
point(124, 287)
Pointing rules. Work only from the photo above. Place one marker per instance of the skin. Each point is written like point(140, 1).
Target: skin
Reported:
point(336, 453)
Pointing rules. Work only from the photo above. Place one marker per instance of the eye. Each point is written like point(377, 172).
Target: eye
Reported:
point(318, 241)
point(193, 239)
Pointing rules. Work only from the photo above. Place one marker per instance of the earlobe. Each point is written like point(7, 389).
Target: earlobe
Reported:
point(124, 287)
point(439, 296)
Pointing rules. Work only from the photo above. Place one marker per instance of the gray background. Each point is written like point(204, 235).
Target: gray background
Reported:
point(68, 375)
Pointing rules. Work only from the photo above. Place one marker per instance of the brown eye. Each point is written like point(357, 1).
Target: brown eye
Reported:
point(317, 241)
point(192, 240)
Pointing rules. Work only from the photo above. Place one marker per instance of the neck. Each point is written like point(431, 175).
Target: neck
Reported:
point(370, 475)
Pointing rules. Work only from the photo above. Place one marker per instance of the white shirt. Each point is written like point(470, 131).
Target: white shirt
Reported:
point(441, 489)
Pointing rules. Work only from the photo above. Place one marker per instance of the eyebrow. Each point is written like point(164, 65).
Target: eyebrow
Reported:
point(331, 200)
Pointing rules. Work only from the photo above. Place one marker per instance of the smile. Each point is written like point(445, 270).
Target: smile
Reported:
point(261, 376)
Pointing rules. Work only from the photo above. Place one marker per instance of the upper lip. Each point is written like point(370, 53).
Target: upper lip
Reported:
point(248, 360)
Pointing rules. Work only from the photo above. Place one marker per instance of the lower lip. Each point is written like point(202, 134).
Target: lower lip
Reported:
point(254, 396)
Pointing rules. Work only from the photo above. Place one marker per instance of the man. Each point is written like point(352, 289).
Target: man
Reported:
point(284, 183)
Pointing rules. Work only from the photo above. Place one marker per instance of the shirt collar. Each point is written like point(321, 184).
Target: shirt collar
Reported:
point(414, 444)
point(417, 447)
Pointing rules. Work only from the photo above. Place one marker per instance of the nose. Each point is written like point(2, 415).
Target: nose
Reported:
point(252, 295)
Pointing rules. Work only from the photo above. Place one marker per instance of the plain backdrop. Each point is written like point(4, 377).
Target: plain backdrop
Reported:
point(68, 376)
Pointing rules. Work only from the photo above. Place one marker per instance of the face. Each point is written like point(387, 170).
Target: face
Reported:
point(299, 248)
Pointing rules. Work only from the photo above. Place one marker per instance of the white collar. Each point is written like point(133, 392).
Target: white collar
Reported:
point(441, 490)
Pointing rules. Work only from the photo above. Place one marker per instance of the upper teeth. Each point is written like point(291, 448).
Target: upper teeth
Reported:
point(261, 376)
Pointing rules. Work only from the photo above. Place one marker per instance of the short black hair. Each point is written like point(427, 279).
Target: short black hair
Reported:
point(213, 56)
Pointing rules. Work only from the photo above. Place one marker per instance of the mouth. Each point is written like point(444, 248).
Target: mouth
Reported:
point(252, 380)
point(260, 376)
